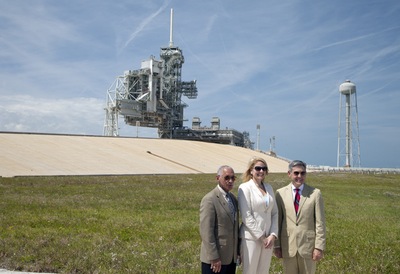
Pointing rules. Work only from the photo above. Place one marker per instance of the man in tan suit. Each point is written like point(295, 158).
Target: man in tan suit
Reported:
point(219, 226)
point(301, 222)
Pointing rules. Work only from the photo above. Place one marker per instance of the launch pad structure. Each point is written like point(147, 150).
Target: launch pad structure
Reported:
point(152, 97)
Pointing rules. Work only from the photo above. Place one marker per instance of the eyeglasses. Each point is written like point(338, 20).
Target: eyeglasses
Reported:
point(258, 168)
point(227, 178)
point(296, 173)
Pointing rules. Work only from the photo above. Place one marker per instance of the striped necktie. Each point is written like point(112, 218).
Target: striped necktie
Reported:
point(297, 200)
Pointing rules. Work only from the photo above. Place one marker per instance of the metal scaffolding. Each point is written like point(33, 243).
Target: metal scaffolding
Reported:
point(152, 95)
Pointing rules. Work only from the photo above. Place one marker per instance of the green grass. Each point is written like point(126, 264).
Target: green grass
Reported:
point(149, 224)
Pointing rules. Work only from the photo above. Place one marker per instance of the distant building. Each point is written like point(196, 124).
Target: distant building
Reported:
point(213, 134)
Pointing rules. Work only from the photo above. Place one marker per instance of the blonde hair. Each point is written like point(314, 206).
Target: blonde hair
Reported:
point(246, 176)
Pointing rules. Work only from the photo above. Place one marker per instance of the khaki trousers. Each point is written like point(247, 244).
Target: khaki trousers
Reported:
point(299, 265)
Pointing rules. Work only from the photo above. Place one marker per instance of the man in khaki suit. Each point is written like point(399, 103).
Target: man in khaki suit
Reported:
point(301, 240)
point(219, 226)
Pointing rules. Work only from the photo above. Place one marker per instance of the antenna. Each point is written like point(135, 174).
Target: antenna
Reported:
point(171, 28)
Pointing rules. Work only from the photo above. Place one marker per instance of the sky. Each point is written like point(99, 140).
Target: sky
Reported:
point(277, 64)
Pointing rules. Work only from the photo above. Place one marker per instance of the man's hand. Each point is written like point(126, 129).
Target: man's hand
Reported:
point(317, 254)
point(278, 252)
point(239, 260)
point(216, 265)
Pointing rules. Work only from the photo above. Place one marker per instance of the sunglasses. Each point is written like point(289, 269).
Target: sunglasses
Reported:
point(298, 172)
point(227, 178)
point(258, 168)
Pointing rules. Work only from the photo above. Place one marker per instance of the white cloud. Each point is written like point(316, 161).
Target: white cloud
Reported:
point(32, 114)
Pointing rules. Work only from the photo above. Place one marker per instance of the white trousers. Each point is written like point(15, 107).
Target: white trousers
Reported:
point(255, 258)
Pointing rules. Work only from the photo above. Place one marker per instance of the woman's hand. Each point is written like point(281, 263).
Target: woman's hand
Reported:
point(269, 241)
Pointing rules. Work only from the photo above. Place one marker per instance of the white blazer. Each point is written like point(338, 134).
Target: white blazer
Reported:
point(259, 214)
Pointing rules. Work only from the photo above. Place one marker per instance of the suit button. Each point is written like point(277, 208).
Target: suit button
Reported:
point(297, 224)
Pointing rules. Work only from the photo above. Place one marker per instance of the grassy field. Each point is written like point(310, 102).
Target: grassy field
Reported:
point(149, 224)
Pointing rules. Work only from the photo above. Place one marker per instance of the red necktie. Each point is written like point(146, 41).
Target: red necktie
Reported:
point(297, 200)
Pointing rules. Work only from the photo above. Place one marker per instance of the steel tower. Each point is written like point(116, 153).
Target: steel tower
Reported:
point(152, 95)
point(348, 153)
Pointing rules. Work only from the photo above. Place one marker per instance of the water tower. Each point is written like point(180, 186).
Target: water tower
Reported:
point(348, 154)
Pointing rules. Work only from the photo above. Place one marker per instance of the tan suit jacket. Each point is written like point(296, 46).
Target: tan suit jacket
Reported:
point(218, 230)
point(306, 231)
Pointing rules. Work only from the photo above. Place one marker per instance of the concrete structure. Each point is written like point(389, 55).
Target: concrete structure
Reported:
point(29, 154)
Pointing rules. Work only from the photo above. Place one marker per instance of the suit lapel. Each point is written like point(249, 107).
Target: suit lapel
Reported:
point(255, 189)
point(304, 196)
point(291, 214)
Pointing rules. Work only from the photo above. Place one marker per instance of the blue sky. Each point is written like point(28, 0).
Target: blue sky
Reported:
point(278, 64)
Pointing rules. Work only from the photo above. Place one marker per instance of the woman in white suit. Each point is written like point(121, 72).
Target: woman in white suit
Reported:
point(259, 214)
